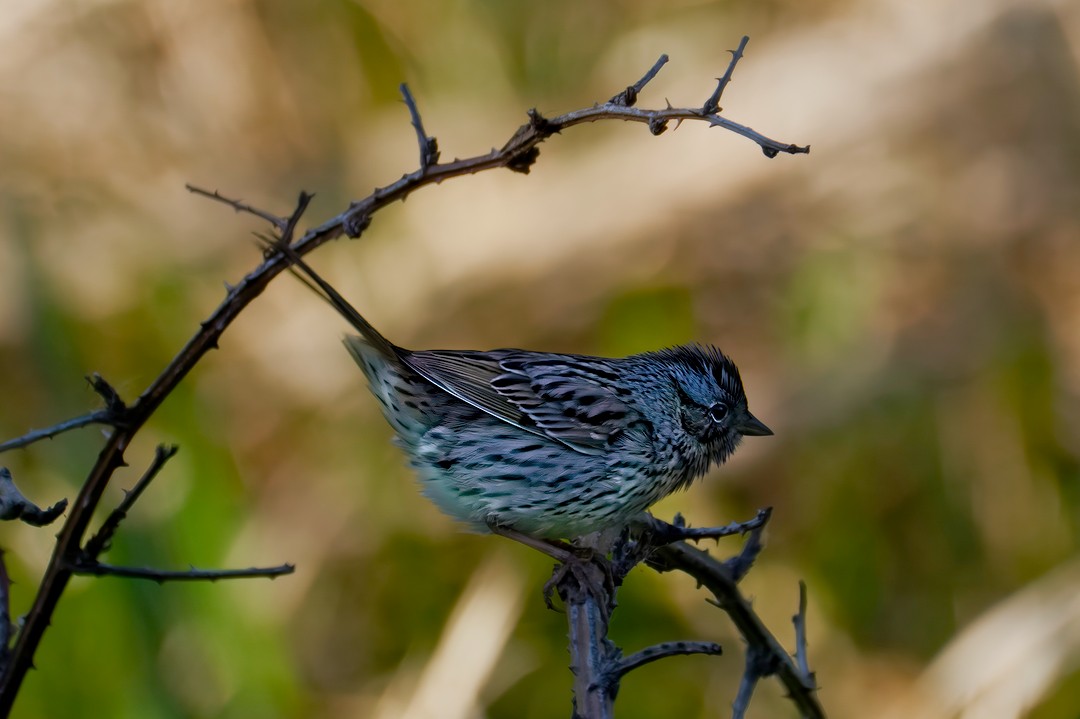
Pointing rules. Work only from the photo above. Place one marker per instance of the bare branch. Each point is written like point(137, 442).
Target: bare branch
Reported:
point(759, 663)
point(741, 563)
point(290, 226)
point(663, 533)
point(112, 414)
point(712, 105)
point(99, 569)
point(586, 589)
point(801, 652)
point(278, 222)
point(628, 97)
point(665, 649)
point(13, 505)
point(101, 416)
point(429, 146)
point(100, 541)
point(717, 577)
point(113, 403)
point(770, 147)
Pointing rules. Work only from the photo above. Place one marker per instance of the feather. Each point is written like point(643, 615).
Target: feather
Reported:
point(567, 398)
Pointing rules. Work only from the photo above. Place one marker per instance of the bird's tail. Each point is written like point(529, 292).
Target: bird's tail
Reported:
point(303, 272)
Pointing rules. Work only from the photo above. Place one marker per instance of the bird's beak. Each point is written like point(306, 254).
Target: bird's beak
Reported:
point(751, 426)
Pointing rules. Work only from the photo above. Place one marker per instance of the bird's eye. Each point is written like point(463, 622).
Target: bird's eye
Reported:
point(717, 412)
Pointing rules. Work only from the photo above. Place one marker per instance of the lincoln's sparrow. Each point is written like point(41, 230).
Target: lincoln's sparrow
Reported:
point(551, 445)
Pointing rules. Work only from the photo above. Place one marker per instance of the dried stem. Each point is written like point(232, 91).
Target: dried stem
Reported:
point(762, 646)
point(101, 416)
point(278, 222)
point(127, 420)
point(759, 663)
point(100, 569)
point(588, 588)
point(101, 539)
point(712, 105)
point(429, 146)
point(628, 97)
point(663, 533)
point(801, 647)
point(666, 649)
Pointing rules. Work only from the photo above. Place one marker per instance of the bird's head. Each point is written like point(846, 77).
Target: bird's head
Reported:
point(711, 402)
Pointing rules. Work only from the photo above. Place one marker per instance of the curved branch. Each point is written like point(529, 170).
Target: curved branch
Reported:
point(763, 650)
point(100, 569)
point(100, 416)
point(517, 154)
point(663, 650)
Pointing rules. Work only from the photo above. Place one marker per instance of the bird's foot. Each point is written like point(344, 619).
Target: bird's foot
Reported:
point(582, 575)
point(580, 571)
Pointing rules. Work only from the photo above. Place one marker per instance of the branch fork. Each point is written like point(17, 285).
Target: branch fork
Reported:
point(588, 583)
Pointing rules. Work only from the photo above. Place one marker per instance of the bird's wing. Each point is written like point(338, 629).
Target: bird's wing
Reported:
point(574, 400)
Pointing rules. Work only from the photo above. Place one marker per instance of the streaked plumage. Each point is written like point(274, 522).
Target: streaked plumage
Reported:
point(552, 445)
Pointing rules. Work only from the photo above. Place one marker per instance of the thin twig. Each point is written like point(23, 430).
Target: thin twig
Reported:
point(101, 539)
point(59, 570)
point(718, 579)
point(663, 533)
point(740, 564)
point(429, 146)
point(278, 222)
point(801, 647)
point(112, 414)
point(113, 402)
point(100, 416)
point(712, 105)
point(100, 569)
point(662, 650)
point(628, 97)
point(290, 225)
point(759, 664)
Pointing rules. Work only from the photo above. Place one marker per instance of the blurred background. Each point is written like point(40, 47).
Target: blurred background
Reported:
point(904, 304)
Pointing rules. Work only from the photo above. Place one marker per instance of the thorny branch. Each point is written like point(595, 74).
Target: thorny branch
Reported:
point(588, 588)
point(665, 649)
point(712, 105)
point(100, 569)
point(517, 154)
point(101, 539)
point(109, 415)
point(765, 655)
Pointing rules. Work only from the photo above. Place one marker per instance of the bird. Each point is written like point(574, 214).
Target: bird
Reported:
point(546, 445)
